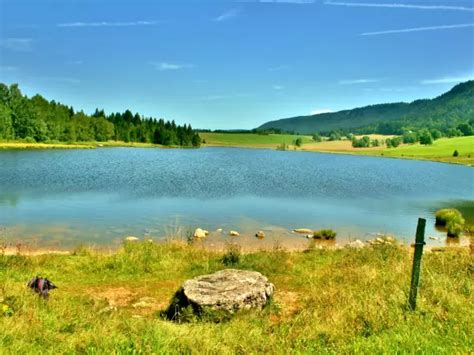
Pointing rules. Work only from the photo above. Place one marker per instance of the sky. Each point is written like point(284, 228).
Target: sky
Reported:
point(235, 64)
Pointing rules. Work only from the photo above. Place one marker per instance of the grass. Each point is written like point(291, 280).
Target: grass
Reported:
point(251, 140)
point(441, 150)
point(326, 301)
point(75, 145)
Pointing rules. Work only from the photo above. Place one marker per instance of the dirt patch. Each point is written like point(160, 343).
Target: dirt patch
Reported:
point(289, 302)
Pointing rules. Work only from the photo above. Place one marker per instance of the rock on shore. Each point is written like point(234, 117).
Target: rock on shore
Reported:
point(223, 292)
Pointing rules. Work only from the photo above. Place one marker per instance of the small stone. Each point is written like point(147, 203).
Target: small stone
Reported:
point(234, 233)
point(434, 238)
point(310, 236)
point(356, 244)
point(303, 230)
point(389, 239)
point(200, 233)
point(131, 239)
point(260, 235)
point(108, 309)
point(379, 240)
point(219, 230)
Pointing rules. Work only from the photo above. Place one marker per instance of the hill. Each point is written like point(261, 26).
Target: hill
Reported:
point(444, 112)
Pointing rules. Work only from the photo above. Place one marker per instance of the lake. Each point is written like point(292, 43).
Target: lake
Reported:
point(68, 197)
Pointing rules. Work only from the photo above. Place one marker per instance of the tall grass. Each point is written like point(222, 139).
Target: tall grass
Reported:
point(325, 301)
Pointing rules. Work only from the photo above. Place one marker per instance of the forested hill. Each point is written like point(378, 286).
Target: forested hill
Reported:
point(40, 120)
point(443, 113)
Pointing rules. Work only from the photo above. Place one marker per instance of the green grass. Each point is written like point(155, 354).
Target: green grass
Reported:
point(251, 139)
point(74, 145)
point(441, 150)
point(326, 301)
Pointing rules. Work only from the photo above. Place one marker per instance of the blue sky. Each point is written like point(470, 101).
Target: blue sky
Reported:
point(230, 64)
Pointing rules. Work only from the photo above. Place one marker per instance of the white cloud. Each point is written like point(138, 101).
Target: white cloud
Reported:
point(448, 79)
point(358, 81)
point(418, 29)
point(17, 44)
point(107, 24)
point(320, 111)
point(278, 87)
point(164, 66)
point(227, 15)
point(400, 6)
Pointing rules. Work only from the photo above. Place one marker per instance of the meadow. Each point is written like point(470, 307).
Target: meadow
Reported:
point(250, 139)
point(326, 301)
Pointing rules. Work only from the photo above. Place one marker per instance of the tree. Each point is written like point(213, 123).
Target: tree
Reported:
point(6, 124)
point(425, 137)
point(298, 142)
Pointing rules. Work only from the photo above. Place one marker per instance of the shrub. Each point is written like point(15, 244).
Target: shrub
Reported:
point(451, 219)
point(426, 138)
point(232, 256)
point(317, 137)
point(456, 153)
point(298, 142)
point(325, 234)
point(30, 140)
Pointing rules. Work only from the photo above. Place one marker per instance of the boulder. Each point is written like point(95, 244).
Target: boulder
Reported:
point(200, 233)
point(234, 233)
point(303, 231)
point(223, 293)
point(260, 234)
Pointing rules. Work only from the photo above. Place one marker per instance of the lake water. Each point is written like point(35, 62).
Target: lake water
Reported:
point(69, 197)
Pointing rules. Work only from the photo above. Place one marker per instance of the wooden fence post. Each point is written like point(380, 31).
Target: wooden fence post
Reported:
point(415, 274)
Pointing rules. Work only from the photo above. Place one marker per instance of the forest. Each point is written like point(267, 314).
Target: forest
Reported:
point(36, 119)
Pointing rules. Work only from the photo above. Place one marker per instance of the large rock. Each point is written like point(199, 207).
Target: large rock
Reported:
point(223, 292)
point(200, 233)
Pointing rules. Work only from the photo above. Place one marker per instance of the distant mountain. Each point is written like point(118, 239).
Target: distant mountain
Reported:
point(445, 111)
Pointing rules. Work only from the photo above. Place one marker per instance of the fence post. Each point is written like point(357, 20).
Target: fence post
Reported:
point(415, 274)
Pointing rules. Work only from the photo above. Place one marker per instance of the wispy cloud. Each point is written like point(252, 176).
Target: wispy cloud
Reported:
point(320, 111)
point(278, 87)
point(400, 6)
point(76, 62)
point(279, 68)
point(227, 15)
point(418, 29)
point(288, 1)
point(7, 68)
point(358, 81)
point(58, 79)
point(107, 24)
point(222, 97)
point(165, 66)
point(448, 79)
point(17, 44)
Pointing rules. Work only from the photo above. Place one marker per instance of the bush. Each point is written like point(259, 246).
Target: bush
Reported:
point(325, 234)
point(393, 142)
point(29, 140)
point(317, 137)
point(364, 142)
point(426, 138)
point(232, 256)
point(298, 142)
point(456, 153)
point(452, 219)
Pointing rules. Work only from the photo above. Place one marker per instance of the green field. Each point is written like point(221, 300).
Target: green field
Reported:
point(326, 301)
point(251, 139)
point(75, 145)
point(441, 150)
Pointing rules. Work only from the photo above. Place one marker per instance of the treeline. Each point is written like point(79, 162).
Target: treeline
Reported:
point(36, 119)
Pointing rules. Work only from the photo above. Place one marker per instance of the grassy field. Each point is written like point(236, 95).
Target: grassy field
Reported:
point(251, 140)
point(77, 145)
point(326, 301)
point(441, 150)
